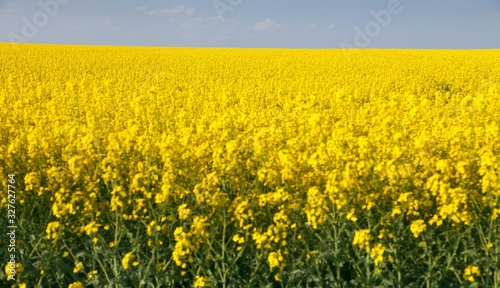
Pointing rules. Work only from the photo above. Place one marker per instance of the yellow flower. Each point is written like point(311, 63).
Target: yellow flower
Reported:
point(200, 281)
point(391, 258)
point(382, 233)
point(396, 211)
point(275, 259)
point(495, 214)
point(377, 253)
point(152, 226)
point(315, 207)
point(92, 274)
point(238, 239)
point(78, 267)
point(471, 271)
point(52, 229)
point(352, 215)
point(489, 245)
point(126, 260)
point(362, 238)
point(417, 227)
point(91, 228)
point(76, 285)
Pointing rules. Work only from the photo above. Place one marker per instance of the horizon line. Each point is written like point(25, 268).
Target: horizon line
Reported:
point(247, 47)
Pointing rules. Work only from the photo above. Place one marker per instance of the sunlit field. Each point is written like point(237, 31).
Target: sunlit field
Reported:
point(180, 167)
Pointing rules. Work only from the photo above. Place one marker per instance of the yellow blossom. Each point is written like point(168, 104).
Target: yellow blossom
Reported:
point(126, 260)
point(78, 267)
point(417, 227)
point(377, 253)
point(200, 281)
point(183, 212)
point(362, 238)
point(471, 271)
point(77, 284)
point(92, 274)
point(275, 259)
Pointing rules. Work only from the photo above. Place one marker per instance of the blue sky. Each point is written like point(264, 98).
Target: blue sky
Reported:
point(453, 24)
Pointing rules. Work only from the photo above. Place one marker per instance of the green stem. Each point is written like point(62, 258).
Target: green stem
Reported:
point(224, 252)
point(100, 263)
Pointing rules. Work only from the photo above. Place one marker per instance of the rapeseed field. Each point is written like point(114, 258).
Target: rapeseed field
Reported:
point(183, 167)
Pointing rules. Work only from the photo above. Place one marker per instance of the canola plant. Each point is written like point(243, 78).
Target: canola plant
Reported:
point(184, 167)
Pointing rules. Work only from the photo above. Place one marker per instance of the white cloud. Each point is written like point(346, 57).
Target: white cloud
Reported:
point(331, 26)
point(217, 18)
point(181, 9)
point(141, 8)
point(312, 25)
point(76, 27)
point(265, 25)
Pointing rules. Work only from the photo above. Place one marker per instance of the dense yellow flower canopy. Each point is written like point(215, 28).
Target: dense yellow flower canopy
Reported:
point(272, 142)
